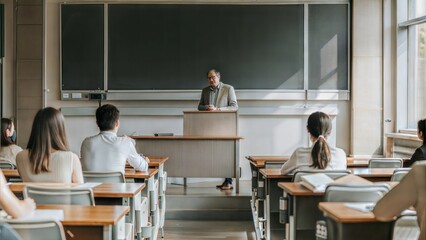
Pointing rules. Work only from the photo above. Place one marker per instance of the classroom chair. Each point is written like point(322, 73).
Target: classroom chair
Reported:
point(6, 164)
point(274, 164)
point(38, 229)
point(347, 193)
point(385, 163)
point(399, 173)
point(103, 177)
point(406, 227)
point(60, 195)
point(334, 174)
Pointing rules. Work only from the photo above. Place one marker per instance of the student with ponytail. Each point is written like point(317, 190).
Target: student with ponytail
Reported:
point(420, 153)
point(321, 155)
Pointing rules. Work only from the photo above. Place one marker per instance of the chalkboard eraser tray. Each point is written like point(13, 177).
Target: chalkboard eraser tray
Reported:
point(163, 134)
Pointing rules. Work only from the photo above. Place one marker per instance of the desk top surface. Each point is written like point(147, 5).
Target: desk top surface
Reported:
point(362, 172)
point(100, 215)
point(260, 161)
point(129, 173)
point(217, 111)
point(156, 161)
point(340, 213)
point(297, 189)
point(132, 173)
point(372, 172)
point(181, 137)
point(105, 190)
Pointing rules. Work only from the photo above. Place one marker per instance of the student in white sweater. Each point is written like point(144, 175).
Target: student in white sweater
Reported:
point(320, 155)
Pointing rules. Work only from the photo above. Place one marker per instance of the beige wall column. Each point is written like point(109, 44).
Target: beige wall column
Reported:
point(367, 58)
point(29, 56)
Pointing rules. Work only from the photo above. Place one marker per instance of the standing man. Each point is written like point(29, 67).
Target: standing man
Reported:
point(106, 151)
point(216, 97)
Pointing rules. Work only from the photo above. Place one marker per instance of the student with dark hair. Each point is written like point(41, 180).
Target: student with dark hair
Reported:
point(420, 153)
point(106, 151)
point(47, 157)
point(8, 149)
point(321, 155)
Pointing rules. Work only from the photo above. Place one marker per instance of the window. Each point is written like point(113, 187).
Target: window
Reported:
point(414, 33)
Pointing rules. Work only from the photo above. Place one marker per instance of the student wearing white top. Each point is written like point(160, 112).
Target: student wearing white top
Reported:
point(106, 151)
point(47, 157)
point(320, 155)
point(8, 149)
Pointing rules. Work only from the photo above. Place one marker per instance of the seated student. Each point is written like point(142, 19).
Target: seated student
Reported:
point(420, 153)
point(11, 204)
point(411, 191)
point(106, 151)
point(47, 157)
point(8, 149)
point(320, 155)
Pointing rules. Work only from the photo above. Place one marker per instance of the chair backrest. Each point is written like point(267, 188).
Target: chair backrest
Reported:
point(385, 163)
point(6, 164)
point(57, 195)
point(406, 227)
point(273, 164)
point(355, 193)
point(334, 174)
point(103, 177)
point(399, 173)
point(38, 229)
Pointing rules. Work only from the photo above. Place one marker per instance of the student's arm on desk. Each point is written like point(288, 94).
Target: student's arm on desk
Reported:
point(135, 160)
point(11, 204)
point(290, 165)
point(401, 197)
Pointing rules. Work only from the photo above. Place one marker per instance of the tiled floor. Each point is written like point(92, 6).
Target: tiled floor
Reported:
point(206, 230)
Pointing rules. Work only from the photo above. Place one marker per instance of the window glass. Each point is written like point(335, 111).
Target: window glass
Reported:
point(419, 62)
point(418, 8)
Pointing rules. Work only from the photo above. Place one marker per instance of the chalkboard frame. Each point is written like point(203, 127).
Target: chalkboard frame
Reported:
point(269, 94)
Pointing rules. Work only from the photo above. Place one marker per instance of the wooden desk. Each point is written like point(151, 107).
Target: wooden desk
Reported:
point(260, 161)
point(154, 161)
point(124, 194)
point(158, 163)
point(352, 224)
point(132, 173)
point(302, 209)
point(129, 173)
point(191, 155)
point(374, 174)
point(91, 222)
point(266, 208)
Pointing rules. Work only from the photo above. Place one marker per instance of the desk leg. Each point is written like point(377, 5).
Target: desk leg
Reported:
point(153, 203)
point(237, 166)
point(162, 179)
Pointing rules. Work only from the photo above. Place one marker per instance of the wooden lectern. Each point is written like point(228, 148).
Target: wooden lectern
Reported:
point(209, 147)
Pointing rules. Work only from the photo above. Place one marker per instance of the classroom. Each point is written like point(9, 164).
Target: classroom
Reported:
point(360, 62)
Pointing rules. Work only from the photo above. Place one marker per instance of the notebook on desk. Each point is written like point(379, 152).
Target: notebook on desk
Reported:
point(363, 207)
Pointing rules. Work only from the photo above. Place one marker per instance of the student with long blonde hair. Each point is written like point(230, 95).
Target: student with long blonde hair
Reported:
point(321, 155)
point(47, 157)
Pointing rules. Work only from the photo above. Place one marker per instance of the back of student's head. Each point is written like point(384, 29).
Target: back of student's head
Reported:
point(319, 126)
point(421, 127)
point(106, 116)
point(47, 134)
point(6, 124)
